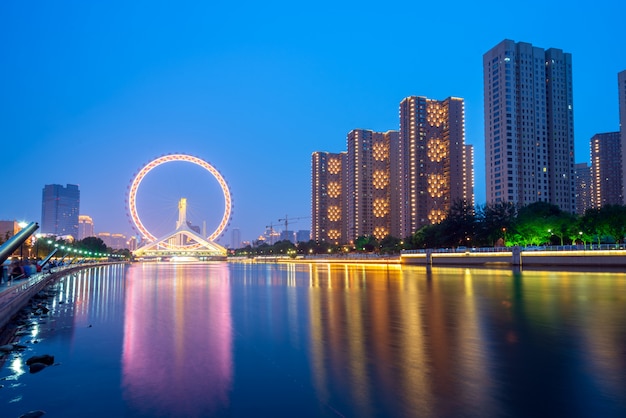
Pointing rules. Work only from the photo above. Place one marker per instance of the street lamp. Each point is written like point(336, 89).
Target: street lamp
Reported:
point(22, 225)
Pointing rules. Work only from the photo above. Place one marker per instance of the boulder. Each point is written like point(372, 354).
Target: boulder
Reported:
point(36, 367)
point(46, 359)
point(32, 414)
point(6, 348)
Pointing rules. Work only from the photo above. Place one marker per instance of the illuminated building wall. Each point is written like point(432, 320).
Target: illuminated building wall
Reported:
point(59, 210)
point(431, 159)
point(369, 183)
point(606, 169)
point(328, 205)
point(114, 241)
point(621, 91)
point(85, 227)
point(583, 188)
point(529, 127)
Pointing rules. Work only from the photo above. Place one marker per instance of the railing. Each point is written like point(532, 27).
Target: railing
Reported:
point(587, 247)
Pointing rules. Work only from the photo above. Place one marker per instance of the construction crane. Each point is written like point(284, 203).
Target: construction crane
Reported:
point(286, 220)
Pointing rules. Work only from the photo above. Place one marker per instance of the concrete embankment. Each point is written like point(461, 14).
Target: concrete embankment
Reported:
point(582, 258)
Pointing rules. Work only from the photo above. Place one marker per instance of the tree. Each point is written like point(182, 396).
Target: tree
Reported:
point(535, 224)
point(493, 220)
point(366, 243)
point(93, 244)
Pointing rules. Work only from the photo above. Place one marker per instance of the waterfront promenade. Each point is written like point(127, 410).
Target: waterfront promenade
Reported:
point(15, 294)
point(609, 257)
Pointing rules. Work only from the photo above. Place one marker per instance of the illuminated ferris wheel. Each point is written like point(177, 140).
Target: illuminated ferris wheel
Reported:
point(136, 181)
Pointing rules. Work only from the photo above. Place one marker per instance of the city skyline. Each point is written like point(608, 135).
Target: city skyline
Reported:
point(91, 93)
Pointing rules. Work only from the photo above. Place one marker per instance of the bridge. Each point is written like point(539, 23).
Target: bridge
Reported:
point(181, 244)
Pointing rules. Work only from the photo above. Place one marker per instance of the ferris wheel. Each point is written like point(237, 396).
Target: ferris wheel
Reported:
point(143, 172)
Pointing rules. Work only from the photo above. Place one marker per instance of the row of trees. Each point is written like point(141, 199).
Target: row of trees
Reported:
point(497, 224)
point(539, 223)
point(40, 247)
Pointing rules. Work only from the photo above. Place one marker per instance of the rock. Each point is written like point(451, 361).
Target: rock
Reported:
point(46, 359)
point(36, 367)
point(33, 414)
point(6, 348)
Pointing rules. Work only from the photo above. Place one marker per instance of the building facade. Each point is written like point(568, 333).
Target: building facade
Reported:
point(606, 169)
point(368, 183)
point(328, 205)
point(431, 160)
point(621, 92)
point(584, 191)
point(60, 209)
point(529, 126)
point(85, 227)
point(114, 241)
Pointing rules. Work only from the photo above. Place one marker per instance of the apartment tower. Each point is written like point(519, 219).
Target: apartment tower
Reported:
point(328, 205)
point(59, 210)
point(431, 161)
point(85, 227)
point(368, 186)
point(529, 126)
point(606, 169)
point(584, 190)
point(621, 92)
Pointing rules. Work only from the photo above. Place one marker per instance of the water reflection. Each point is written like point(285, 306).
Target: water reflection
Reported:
point(242, 340)
point(177, 353)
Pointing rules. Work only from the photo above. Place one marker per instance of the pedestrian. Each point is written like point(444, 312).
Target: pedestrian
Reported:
point(17, 271)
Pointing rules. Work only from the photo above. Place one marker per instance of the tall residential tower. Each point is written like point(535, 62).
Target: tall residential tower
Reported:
point(621, 92)
point(606, 169)
point(432, 161)
point(328, 203)
point(529, 125)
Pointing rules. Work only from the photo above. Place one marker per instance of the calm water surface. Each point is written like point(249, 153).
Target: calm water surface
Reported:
point(242, 340)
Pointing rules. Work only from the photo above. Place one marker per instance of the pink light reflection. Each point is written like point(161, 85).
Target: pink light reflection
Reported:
point(177, 353)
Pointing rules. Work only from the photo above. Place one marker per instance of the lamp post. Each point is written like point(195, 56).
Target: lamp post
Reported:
point(22, 225)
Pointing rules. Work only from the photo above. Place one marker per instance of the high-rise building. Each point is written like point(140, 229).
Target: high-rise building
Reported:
point(584, 190)
point(369, 183)
point(303, 235)
point(621, 92)
point(8, 229)
point(85, 227)
point(529, 125)
point(114, 241)
point(235, 238)
point(328, 205)
point(606, 169)
point(60, 208)
point(430, 162)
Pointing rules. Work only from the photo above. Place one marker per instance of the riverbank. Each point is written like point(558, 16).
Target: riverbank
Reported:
point(493, 257)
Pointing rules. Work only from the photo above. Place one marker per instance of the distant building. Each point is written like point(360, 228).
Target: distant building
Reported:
point(114, 241)
point(287, 236)
point(529, 125)
point(621, 92)
point(584, 189)
point(85, 227)
point(235, 238)
point(303, 235)
point(328, 205)
point(132, 243)
point(606, 169)
point(8, 229)
point(60, 208)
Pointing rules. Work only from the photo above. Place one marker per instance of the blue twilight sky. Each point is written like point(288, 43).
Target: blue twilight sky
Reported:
point(90, 91)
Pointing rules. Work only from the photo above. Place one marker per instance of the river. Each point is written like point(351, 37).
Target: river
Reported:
point(320, 340)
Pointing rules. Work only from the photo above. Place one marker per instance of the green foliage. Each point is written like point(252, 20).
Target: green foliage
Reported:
point(93, 244)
